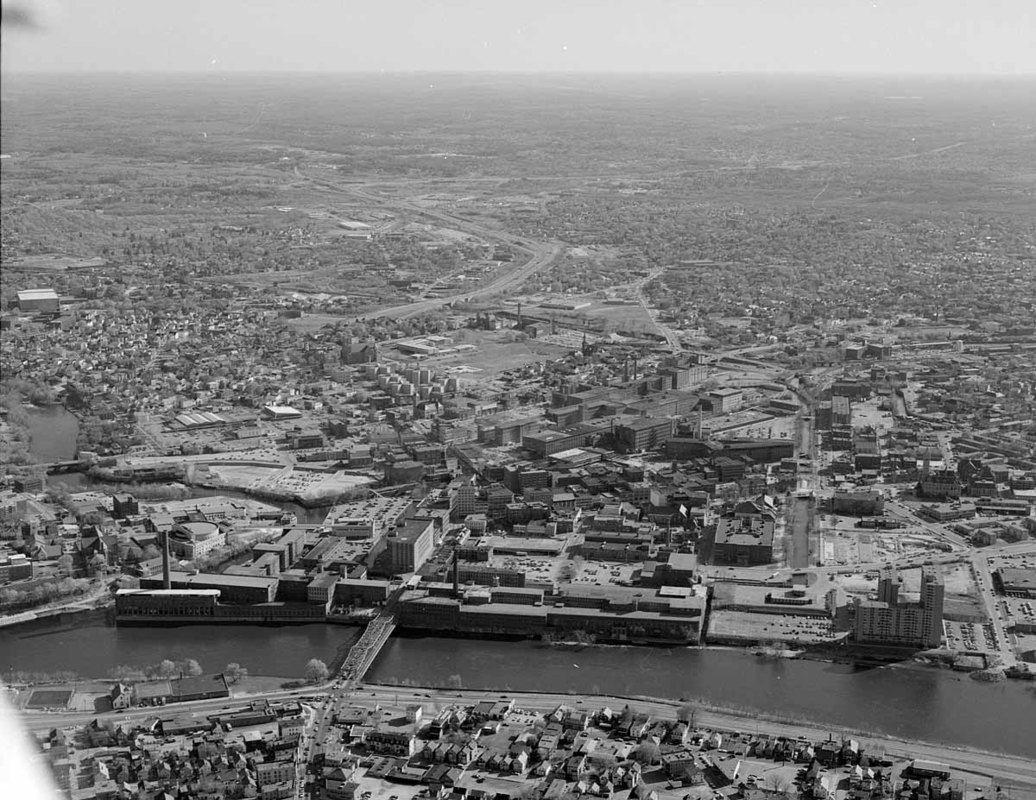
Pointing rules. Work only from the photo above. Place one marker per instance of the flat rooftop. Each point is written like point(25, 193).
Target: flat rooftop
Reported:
point(208, 579)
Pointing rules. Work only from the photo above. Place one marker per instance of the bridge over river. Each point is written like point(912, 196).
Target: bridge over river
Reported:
point(362, 654)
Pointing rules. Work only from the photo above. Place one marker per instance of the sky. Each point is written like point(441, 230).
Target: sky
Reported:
point(773, 36)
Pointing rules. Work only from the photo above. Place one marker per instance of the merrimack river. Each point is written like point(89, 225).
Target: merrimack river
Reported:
point(905, 701)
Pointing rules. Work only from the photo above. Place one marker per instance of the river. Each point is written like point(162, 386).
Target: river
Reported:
point(54, 432)
point(909, 702)
point(92, 648)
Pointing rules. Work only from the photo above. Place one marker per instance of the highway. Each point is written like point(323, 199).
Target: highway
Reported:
point(540, 254)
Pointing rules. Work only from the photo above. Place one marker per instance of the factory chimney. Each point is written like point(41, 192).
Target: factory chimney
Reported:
point(166, 580)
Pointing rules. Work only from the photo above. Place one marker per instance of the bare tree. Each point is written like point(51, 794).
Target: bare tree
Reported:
point(687, 713)
point(647, 753)
point(166, 668)
point(316, 671)
point(778, 784)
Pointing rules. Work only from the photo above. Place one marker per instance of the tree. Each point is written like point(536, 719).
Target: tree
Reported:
point(97, 564)
point(687, 713)
point(234, 672)
point(647, 753)
point(778, 784)
point(65, 564)
point(192, 667)
point(316, 671)
point(166, 668)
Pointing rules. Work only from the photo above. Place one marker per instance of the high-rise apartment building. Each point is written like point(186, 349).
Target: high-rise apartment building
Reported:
point(891, 620)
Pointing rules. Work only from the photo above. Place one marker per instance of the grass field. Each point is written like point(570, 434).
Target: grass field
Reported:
point(49, 698)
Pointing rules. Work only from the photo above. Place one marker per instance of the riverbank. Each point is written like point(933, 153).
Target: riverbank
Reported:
point(1005, 768)
point(1017, 772)
point(908, 700)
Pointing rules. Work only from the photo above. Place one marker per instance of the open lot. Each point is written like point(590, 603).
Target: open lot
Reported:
point(49, 698)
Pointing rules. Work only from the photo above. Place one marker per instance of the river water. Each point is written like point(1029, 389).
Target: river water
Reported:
point(910, 702)
point(54, 432)
point(94, 648)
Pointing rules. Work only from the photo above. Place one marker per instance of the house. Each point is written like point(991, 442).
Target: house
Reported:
point(827, 753)
point(121, 696)
point(634, 726)
point(679, 734)
point(576, 721)
point(727, 770)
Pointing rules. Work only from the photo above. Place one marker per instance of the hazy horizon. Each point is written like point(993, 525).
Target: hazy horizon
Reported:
point(923, 38)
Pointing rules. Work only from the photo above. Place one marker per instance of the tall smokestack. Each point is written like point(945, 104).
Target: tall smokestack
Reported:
point(167, 582)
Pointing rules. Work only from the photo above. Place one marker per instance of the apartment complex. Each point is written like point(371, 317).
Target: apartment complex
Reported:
point(891, 620)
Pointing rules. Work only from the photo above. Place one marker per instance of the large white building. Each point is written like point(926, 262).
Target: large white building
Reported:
point(193, 540)
point(43, 300)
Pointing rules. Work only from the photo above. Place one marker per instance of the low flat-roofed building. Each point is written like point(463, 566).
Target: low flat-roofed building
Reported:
point(514, 545)
point(198, 420)
point(516, 595)
point(744, 541)
point(1016, 582)
point(41, 300)
point(350, 592)
point(929, 769)
point(199, 687)
point(858, 503)
point(233, 588)
point(161, 602)
point(548, 442)
point(679, 570)
point(275, 412)
point(643, 433)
